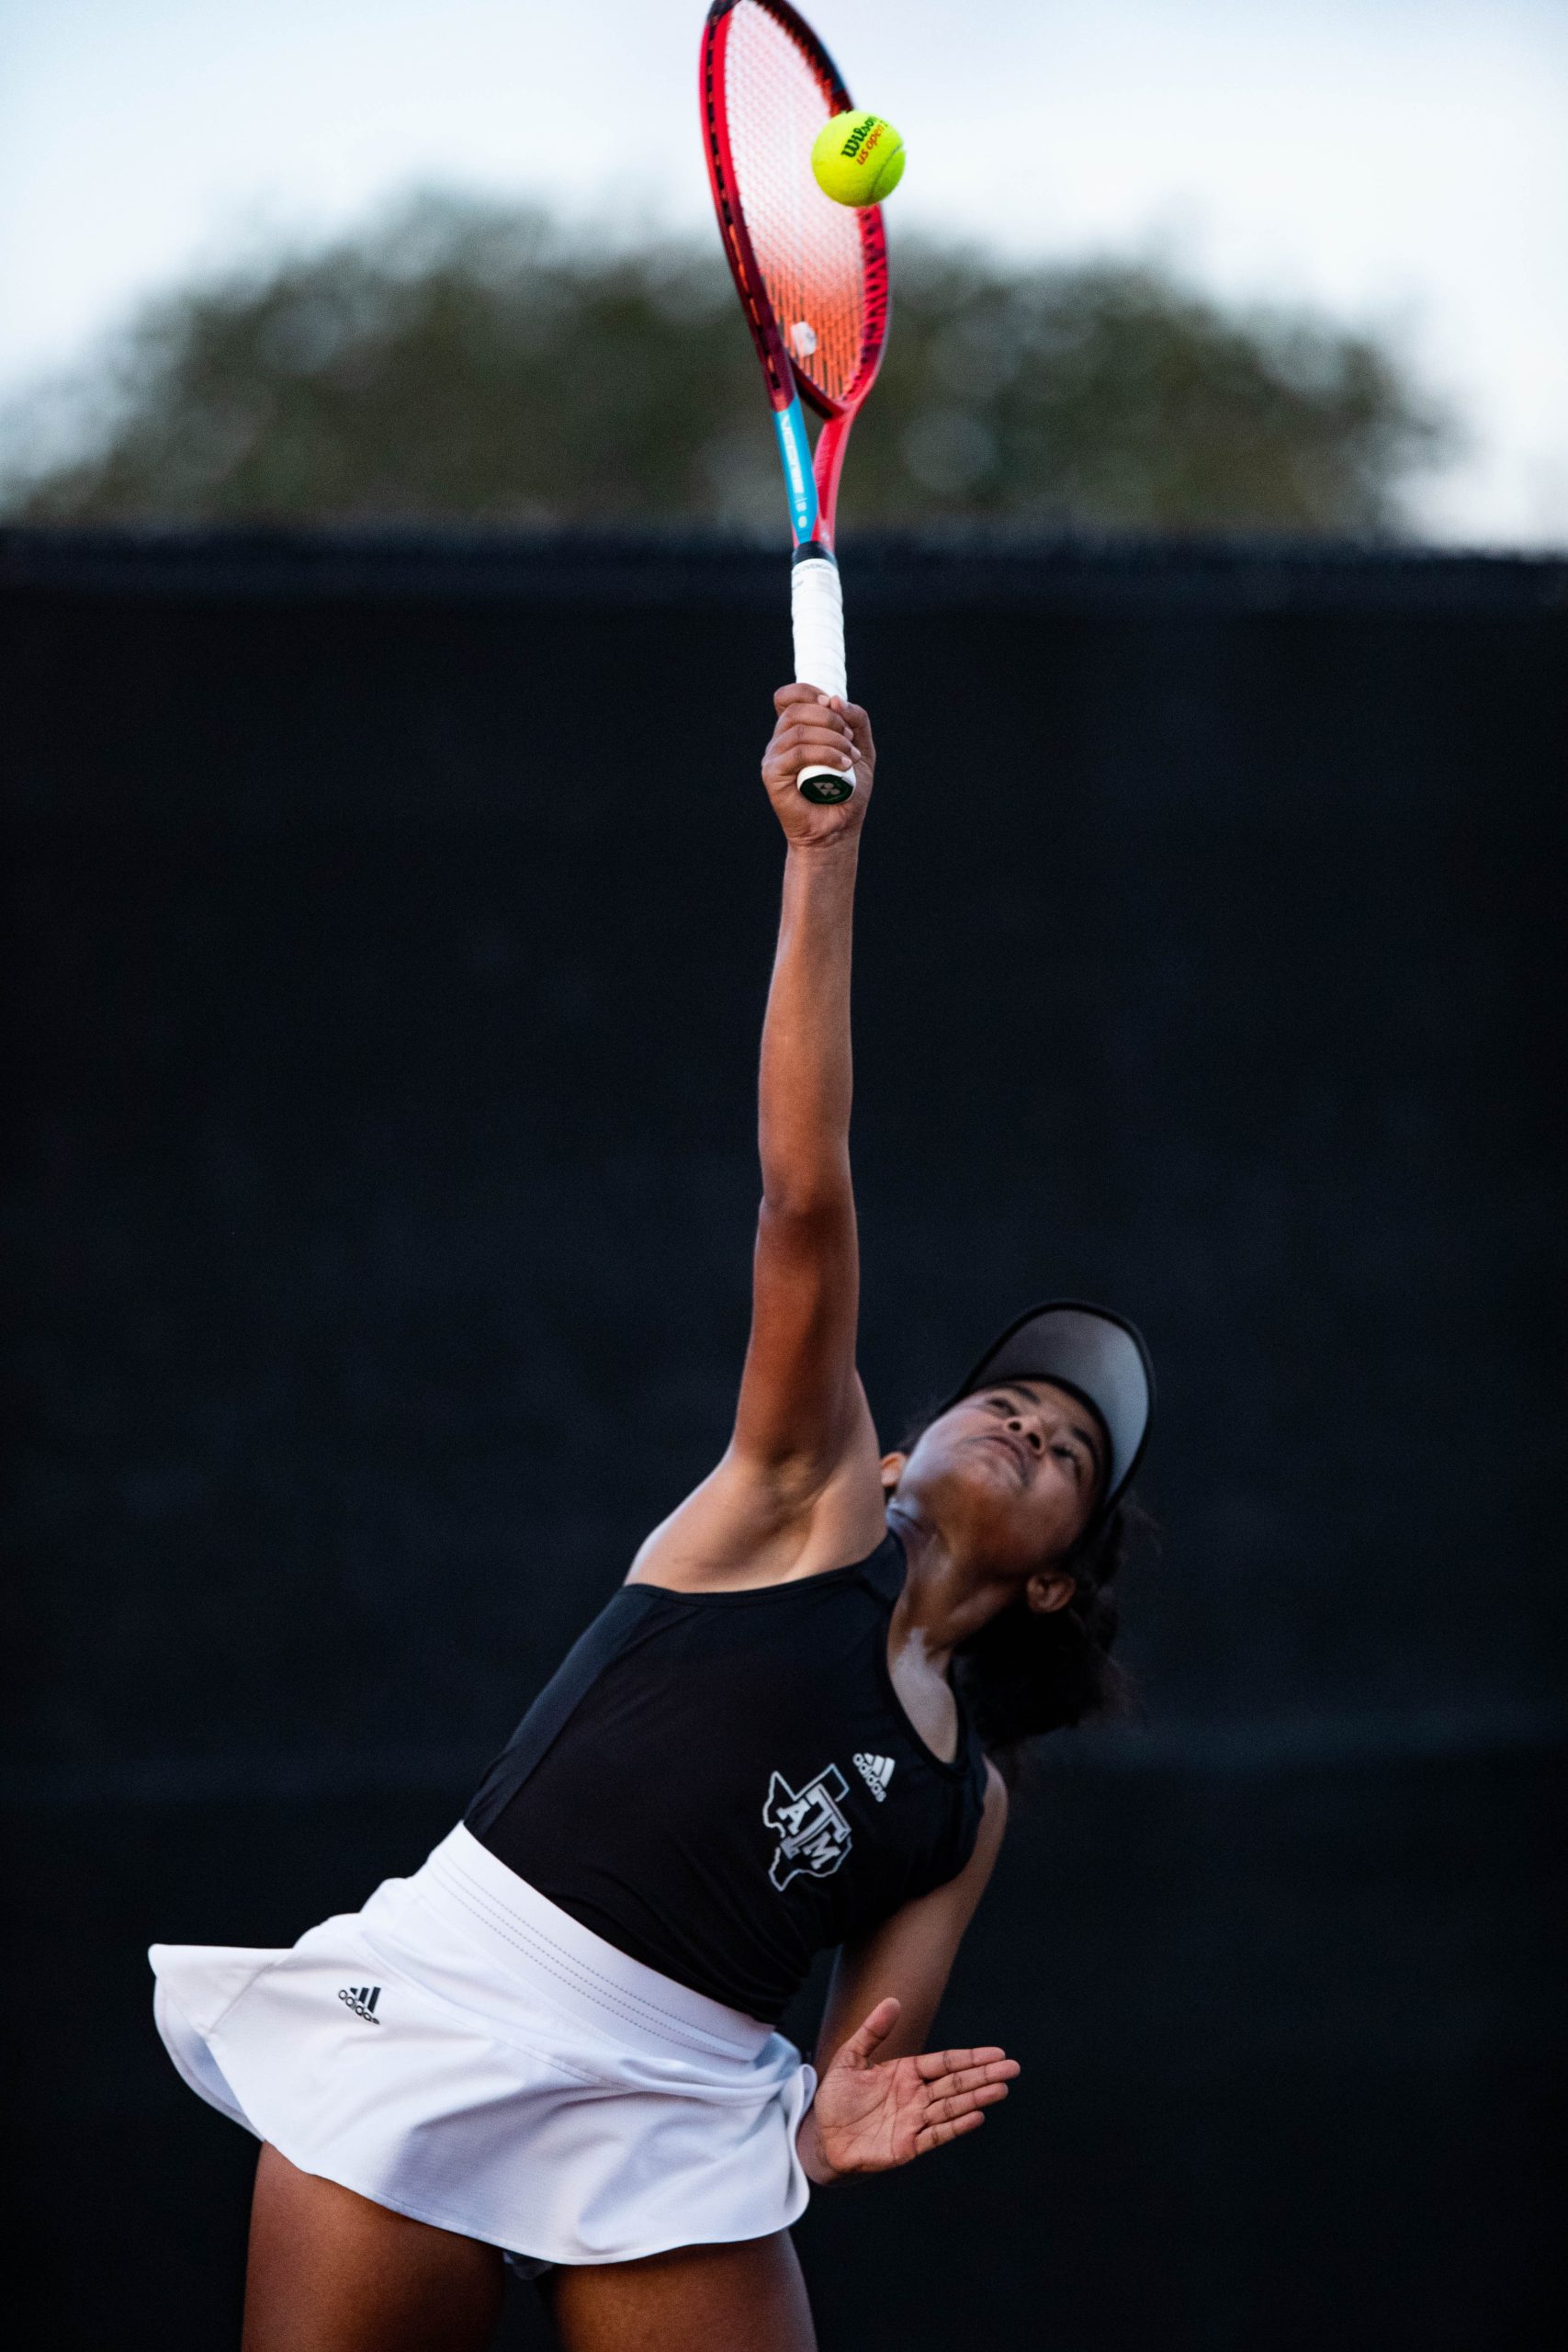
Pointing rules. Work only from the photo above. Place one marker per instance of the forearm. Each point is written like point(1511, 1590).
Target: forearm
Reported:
point(912, 1966)
point(910, 1955)
point(805, 1080)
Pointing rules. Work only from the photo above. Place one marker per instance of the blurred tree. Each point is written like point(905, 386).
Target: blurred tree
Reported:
point(465, 361)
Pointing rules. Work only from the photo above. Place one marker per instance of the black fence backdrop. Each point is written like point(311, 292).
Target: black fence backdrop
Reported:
point(389, 921)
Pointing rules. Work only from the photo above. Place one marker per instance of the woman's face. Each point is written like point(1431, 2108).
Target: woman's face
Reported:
point(1008, 1475)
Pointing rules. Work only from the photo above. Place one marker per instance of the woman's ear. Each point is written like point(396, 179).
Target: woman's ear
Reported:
point(1049, 1588)
point(892, 1471)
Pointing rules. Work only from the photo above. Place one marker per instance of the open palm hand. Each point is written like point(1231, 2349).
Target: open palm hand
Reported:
point(868, 2116)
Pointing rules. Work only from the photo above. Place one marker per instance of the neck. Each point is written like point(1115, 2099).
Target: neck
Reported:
point(942, 1601)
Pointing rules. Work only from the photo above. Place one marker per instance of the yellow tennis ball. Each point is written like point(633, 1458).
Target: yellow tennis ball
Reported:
point(858, 158)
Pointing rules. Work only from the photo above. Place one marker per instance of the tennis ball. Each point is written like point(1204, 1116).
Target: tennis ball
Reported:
point(858, 158)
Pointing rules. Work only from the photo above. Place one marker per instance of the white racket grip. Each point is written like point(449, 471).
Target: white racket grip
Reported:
point(817, 611)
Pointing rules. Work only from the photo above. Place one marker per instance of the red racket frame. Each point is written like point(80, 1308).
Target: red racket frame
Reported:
point(784, 380)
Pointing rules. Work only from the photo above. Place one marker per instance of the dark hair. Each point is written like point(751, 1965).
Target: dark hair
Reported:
point(1030, 1672)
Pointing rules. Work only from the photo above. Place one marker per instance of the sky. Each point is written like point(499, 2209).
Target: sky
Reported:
point(1401, 163)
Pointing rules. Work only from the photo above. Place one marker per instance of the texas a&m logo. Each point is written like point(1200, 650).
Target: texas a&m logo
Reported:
point(813, 1834)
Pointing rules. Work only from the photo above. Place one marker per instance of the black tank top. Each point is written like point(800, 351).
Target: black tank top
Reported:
point(722, 1784)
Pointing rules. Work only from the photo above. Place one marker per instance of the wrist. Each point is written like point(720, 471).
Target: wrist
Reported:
point(809, 2148)
point(813, 850)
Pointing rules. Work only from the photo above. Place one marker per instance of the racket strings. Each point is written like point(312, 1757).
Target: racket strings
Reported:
point(808, 249)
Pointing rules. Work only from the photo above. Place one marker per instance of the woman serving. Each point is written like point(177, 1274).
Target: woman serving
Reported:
point(790, 1731)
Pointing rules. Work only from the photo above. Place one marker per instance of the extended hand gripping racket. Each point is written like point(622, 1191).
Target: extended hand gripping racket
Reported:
point(812, 276)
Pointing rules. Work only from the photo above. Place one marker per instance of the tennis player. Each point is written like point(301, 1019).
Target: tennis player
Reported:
point(790, 1730)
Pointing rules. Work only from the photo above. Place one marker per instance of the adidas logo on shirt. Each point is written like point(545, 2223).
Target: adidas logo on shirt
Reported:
point(875, 1772)
point(362, 2000)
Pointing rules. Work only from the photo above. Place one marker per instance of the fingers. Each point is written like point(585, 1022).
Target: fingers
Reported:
point(871, 2034)
point(945, 2111)
point(972, 2078)
point(816, 712)
point(860, 729)
point(801, 691)
point(964, 2084)
point(950, 2119)
point(811, 734)
point(806, 714)
point(953, 2061)
point(937, 2135)
point(808, 736)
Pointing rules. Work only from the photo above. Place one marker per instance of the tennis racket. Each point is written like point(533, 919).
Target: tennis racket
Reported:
point(812, 276)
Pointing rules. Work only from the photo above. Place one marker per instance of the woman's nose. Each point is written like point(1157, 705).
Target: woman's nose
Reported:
point(1030, 1435)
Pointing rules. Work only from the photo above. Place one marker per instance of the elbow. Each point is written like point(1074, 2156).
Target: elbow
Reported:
point(805, 1197)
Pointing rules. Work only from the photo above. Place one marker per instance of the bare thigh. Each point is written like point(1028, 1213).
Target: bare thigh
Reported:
point(331, 2272)
point(744, 2298)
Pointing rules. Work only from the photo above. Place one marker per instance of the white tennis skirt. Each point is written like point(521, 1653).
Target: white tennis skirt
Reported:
point(464, 2051)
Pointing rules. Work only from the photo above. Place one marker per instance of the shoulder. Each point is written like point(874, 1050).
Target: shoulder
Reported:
point(746, 1526)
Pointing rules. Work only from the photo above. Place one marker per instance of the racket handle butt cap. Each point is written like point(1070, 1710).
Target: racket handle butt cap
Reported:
point(824, 786)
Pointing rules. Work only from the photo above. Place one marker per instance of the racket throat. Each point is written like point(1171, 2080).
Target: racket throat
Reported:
point(800, 479)
point(811, 481)
point(827, 466)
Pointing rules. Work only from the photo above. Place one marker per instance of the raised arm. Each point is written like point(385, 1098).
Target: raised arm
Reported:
point(797, 1490)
